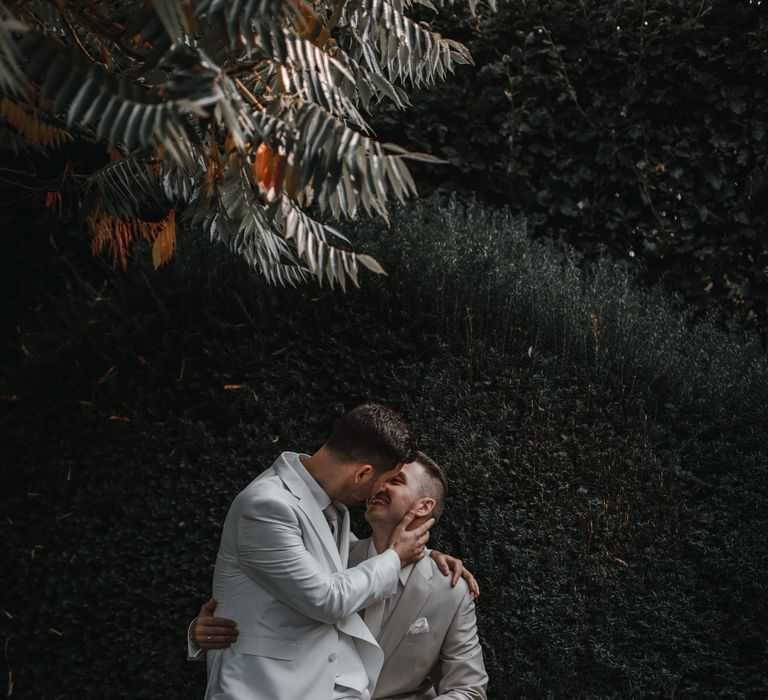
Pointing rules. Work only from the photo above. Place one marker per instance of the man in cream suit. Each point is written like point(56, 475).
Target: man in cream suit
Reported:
point(427, 629)
point(280, 574)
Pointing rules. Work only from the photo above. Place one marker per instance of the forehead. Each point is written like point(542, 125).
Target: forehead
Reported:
point(412, 471)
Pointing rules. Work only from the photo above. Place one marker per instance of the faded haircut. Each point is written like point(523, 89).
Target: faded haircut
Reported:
point(434, 483)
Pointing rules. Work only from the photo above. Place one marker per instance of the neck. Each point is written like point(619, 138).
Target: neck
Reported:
point(327, 471)
point(382, 532)
point(380, 537)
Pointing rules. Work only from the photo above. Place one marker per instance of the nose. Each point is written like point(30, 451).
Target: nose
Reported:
point(382, 490)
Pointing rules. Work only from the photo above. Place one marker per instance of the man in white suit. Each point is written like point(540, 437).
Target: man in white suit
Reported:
point(427, 629)
point(279, 571)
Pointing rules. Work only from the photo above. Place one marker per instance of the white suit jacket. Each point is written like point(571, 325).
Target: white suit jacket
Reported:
point(430, 639)
point(279, 574)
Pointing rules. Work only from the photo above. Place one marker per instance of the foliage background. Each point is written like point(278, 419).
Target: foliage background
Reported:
point(607, 454)
point(636, 128)
point(613, 506)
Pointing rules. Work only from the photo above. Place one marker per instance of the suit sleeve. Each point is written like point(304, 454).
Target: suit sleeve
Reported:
point(460, 672)
point(194, 652)
point(271, 551)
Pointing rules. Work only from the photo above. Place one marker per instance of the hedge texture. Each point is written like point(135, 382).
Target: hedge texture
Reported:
point(634, 127)
point(607, 462)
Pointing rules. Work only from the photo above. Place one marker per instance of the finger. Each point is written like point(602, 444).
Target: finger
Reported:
point(207, 609)
point(204, 640)
point(407, 520)
point(220, 622)
point(218, 631)
point(471, 582)
point(474, 588)
point(443, 566)
point(457, 573)
point(424, 527)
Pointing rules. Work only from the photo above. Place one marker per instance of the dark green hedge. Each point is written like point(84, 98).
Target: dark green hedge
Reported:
point(613, 507)
point(634, 127)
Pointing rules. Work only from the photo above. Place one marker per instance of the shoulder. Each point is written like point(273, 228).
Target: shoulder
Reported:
point(267, 493)
point(441, 584)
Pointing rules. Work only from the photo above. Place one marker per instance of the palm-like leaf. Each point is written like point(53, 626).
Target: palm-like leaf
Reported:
point(235, 114)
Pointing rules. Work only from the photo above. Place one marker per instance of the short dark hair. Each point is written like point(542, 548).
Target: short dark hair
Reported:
point(373, 434)
point(435, 483)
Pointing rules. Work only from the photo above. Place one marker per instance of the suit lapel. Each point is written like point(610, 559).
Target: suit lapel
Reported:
point(415, 594)
point(311, 509)
point(358, 551)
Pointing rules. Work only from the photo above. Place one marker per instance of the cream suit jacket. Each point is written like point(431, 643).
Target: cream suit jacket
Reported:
point(444, 662)
point(279, 574)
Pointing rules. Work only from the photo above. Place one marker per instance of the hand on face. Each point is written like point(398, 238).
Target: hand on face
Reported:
point(409, 544)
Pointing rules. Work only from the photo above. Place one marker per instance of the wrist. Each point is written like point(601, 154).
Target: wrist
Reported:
point(392, 548)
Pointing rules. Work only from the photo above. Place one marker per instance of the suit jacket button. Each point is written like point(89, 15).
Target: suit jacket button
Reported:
point(332, 656)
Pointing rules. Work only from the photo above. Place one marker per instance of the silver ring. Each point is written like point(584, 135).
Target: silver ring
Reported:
point(209, 637)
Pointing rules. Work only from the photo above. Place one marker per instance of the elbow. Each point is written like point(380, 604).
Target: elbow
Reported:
point(327, 617)
point(324, 605)
point(330, 611)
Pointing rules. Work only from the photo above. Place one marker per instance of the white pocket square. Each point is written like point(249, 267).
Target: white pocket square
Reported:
point(419, 626)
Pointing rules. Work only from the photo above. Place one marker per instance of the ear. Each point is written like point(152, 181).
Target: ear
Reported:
point(361, 473)
point(424, 506)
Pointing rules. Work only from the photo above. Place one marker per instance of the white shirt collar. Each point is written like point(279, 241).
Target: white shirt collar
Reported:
point(293, 458)
point(405, 571)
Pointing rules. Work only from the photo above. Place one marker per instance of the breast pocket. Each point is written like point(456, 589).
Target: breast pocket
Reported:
point(414, 655)
point(271, 647)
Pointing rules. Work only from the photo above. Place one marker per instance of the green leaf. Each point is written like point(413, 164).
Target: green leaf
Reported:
point(371, 263)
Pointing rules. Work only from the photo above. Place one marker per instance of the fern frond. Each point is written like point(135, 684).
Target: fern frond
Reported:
point(124, 112)
point(311, 240)
point(178, 18)
point(12, 81)
point(359, 170)
point(165, 241)
point(117, 234)
point(253, 24)
point(371, 83)
point(127, 185)
point(247, 228)
point(380, 34)
point(238, 113)
point(318, 77)
point(31, 124)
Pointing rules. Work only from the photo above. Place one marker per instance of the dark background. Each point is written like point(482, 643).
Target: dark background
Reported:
point(604, 436)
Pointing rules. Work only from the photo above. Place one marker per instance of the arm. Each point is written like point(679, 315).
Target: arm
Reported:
point(460, 672)
point(272, 552)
